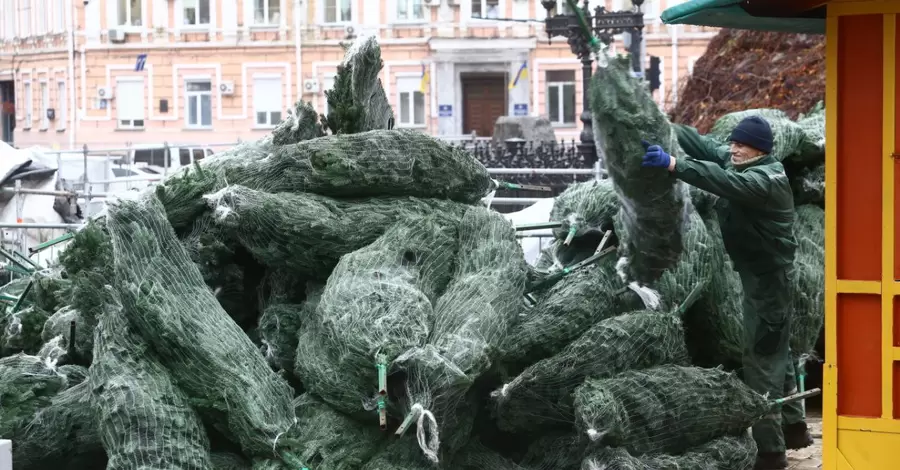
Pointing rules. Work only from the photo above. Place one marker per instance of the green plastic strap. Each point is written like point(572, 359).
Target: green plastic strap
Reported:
point(25, 292)
point(555, 277)
point(15, 260)
point(55, 241)
point(15, 269)
point(381, 366)
point(538, 226)
point(571, 235)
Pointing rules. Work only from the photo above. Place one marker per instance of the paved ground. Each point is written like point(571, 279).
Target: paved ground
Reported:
point(811, 457)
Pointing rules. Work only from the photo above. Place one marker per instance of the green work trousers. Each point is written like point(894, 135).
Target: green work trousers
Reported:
point(767, 363)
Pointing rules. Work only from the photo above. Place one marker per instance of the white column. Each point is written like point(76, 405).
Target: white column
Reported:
point(445, 84)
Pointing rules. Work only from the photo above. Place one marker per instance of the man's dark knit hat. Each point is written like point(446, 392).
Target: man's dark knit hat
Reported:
point(755, 132)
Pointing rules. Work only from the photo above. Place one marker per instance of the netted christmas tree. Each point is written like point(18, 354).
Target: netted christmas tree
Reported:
point(666, 409)
point(541, 397)
point(167, 303)
point(652, 202)
point(378, 302)
point(724, 453)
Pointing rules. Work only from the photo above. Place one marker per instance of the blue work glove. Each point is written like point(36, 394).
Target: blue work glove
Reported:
point(655, 157)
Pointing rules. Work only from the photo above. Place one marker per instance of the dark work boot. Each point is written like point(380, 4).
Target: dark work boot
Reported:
point(797, 436)
point(771, 461)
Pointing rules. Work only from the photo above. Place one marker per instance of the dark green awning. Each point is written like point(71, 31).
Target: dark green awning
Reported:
point(730, 14)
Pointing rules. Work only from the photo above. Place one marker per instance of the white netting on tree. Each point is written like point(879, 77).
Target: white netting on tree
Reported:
point(471, 317)
point(625, 115)
point(378, 302)
point(724, 453)
point(666, 409)
point(307, 234)
point(541, 396)
point(167, 303)
point(143, 418)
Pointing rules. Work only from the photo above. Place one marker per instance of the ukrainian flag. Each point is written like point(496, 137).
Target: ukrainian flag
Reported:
point(423, 84)
point(522, 73)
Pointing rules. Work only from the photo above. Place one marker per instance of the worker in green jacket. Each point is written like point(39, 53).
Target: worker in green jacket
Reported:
point(756, 215)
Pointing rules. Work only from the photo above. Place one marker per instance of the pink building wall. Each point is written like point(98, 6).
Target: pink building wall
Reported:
point(255, 60)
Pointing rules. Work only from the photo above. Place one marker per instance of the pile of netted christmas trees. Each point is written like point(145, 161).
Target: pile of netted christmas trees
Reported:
point(344, 301)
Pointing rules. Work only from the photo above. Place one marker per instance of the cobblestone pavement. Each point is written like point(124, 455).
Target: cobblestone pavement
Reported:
point(811, 457)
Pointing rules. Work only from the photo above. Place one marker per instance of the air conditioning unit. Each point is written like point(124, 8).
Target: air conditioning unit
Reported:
point(116, 36)
point(310, 86)
point(104, 93)
point(226, 88)
point(350, 32)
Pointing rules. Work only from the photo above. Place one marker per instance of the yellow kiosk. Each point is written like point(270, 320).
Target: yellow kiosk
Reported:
point(861, 389)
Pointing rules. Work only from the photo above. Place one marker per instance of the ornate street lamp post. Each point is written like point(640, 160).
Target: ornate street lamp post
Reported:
point(604, 25)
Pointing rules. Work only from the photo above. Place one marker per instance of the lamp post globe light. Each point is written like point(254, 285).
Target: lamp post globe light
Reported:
point(604, 25)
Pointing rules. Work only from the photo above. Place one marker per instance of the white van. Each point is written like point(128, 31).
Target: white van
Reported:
point(146, 164)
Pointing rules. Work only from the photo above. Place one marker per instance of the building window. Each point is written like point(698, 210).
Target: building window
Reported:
point(561, 96)
point(337, 11)
point(61, 105)
point(267, 12)
point(130, 103)
point(60, 15)
point(196, 12)
point(327, 85)
point(486, 9)
point(29, 104)
point(410, 10)
point(24, 18)
point(45, 105)
point(411, 102)
point(562, 8)
point(129, 13)
point(267, 101)
point(198, 100)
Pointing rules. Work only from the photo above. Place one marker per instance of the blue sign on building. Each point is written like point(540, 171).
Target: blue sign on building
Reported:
point(520, 109)
point(445, 110)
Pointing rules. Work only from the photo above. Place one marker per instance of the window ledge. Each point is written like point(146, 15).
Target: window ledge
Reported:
point(335, 24)
point(194, 28)
point(129, 29)
point(418, 22)
point(262, 128)
point(202, 129)
point(129, 129)
point(563, 125)
point(264, 27)
point(412, 126)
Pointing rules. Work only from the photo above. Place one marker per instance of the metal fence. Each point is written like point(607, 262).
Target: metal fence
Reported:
point(90, 175)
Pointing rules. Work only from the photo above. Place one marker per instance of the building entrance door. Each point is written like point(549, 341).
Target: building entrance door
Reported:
point(484, 100)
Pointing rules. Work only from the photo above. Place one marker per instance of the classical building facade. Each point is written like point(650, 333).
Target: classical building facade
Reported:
point(110, 73)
